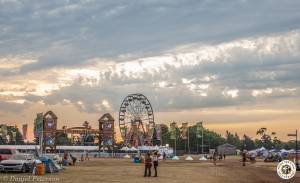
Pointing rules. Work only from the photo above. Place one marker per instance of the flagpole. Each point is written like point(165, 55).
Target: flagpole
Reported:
point(175, 141)
point(297, 149)
point(296, 136)
point(202, 139)
point(189, 140)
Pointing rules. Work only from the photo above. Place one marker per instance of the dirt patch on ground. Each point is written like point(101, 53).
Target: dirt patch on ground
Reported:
point(124, 170)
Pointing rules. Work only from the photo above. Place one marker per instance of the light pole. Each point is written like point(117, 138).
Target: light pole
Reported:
point(202, 141)
point(175, 141)
point(189, 140)
point(296, 136)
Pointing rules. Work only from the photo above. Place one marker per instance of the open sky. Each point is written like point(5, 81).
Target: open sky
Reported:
point(234, 64)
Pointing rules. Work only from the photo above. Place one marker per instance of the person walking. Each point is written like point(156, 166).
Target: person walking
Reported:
point(81, 158)
point(224, 156)
point(215, 156)
point(74, 159)
point(155, 162)
point(244, 158)
point(87, 155)
point(148, 165)
point(65, 159)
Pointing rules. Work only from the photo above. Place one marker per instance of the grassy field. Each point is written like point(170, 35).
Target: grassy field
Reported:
point(123, 170)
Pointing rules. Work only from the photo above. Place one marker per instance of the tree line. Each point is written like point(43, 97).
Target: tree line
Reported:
point(212, 139)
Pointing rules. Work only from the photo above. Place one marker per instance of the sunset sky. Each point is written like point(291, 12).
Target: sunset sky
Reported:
point(233, 64)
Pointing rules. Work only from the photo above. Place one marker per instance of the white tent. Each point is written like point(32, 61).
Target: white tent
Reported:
point(262, 148)
point(284, 151)
point(126, 156)
point(189, 158)
point(175, 158)
point(132, 149)
point(125, 148)
point(202, 158)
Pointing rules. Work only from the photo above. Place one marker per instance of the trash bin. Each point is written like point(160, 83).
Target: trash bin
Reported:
point(46, 162)
point(40, 169)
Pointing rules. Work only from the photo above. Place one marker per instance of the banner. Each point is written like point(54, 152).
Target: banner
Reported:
point(199, 129)
point(158, 131)
point(151, 132)
point(173, 130)
point(124, 131)
point(4, 131)
point(14, 136)
point(38, 125)
point(147, 129)
point(184, 131)
point(108, 142)
point(24, 128)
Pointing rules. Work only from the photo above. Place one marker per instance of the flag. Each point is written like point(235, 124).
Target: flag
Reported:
point(4, 131)
point(38, 125)
point(14, 136)
point(24, 128)
point(151, 131)
point(184, 131)
point(158, 131)
point(199, 129)
point(124, 131)
point(173, 130)
point(148, 128)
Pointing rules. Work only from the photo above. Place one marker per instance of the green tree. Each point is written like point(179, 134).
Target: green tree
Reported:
point(248, 143)
point(233, 139)
point(62, 139)
point(265, 138)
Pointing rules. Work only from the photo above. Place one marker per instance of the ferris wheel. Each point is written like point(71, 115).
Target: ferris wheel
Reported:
point(136, 120)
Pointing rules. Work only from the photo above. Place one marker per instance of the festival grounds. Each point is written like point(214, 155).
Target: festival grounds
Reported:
point(123, 170)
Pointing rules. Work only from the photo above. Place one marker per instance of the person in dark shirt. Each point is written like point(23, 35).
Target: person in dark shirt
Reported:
point(148, 165)
point(155, 162)
point(73, 159)
point(65, 160)
point(244, 158)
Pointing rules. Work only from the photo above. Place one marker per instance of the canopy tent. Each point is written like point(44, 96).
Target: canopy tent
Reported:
point(125, 148)
point(262, 148)
point(133, 149)
point(284, 151)
point(50, 165)
point(189, 158)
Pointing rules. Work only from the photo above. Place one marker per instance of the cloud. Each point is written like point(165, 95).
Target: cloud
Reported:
point(67, 33)
point(250, 70)
point(180, 55)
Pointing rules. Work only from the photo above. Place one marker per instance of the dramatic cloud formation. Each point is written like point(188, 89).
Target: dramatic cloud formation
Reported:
point(183, 55)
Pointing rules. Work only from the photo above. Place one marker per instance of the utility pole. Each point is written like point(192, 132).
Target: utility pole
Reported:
point(297, 165)
point(197, 147)
point(175, 141)
point(189, 140)
point(202, 139)
point(296, 136)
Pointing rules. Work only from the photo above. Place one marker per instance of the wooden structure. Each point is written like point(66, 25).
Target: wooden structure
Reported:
point(49, 131)
point(106, 131)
